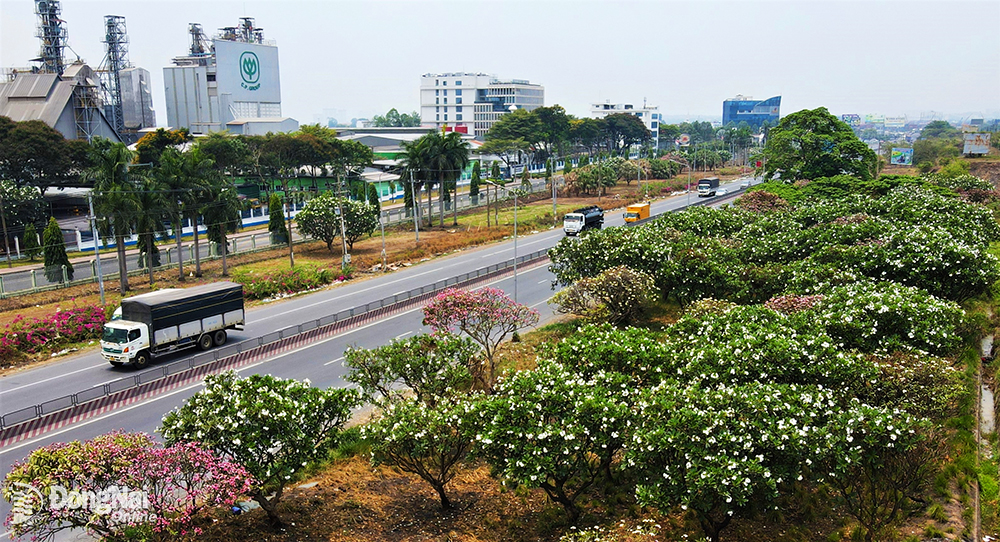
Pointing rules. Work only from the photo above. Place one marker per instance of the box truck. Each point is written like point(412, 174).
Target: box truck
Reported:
point(636, 212)
point(166, 321)
point(708, 186)
point(582, 219)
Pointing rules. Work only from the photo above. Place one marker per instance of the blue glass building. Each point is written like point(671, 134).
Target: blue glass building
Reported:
point(753, 112)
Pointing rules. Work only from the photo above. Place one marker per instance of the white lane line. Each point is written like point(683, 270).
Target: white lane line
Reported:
point(403, 335)
point(333, 361)
point(544, 281)
point(52, 378)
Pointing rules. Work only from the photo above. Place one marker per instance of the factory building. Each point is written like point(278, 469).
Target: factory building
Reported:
point(229, 82)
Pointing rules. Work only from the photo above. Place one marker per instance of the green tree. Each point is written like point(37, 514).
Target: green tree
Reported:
point(271, 426)
point(395, 119)
point(444, 157)
point(276, 223)
point(939, 129)
point(22, 205)
point(33, 153)
point(31, 246)
point(152, 199)
point(555, 127)
point(320, 219)
point(229, 153)
point(585, 133)
point(200, 175)
point(623, 130)
point(151, 146)
point(222, 217)
point(810, 144)
point(55, 253)
point(115, 197)
point(474, 182)
point(568, 165)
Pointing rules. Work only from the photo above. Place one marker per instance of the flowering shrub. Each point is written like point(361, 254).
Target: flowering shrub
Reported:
point(790, 304)
point(430, 367)
point(761, 201)
point(597, 349)
point(552, 429)
point(921, 385)
point(292, 281)
point(617, 295)
point(271, 426)
point(707, 306)
point(486, 315)
point(884, 317)
point(429, 441)
point(143, 490)
point(61, 327)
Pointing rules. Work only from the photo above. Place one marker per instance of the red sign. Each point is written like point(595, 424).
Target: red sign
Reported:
point(759, 163)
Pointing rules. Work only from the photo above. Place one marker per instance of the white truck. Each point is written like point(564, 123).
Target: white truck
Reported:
point(583, 219)
point(166, 321)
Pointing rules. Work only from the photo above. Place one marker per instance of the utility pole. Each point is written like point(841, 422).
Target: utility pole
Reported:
point(6, 242)
point(416, 208)
point(97, 247)
point(345, 257)
point(288, 214)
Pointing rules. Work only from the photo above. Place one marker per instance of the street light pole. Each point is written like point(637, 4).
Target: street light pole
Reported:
point(416, 208)
point(343, 231)
point(97, 247)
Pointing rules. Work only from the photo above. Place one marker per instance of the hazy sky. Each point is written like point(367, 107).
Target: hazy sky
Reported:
point(366, 56)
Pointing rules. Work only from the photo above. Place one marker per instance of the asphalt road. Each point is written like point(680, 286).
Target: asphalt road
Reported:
point(321, 361)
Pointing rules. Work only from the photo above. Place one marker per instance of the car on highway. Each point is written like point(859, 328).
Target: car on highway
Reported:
point(721, 192)
point(746, 183)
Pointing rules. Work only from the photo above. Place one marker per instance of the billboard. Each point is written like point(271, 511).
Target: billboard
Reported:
point(851, 119)
point(895, 122)
point(683, 141)
point(874, 119)
point(901, 157)
point(976, 143)
point(247, 71)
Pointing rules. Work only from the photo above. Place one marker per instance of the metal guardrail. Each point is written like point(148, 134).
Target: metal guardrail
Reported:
point(96, 393)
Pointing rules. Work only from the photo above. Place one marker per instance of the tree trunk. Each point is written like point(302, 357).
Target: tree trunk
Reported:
point(149, 256)
point(197, 255)
point(178, 234)
point(122, 264)
point(225, 249)
point(270, 507)
point(454, 204)
point(441, 190)
point(445, 501)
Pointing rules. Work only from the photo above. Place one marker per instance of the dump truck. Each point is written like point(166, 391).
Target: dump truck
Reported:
point(582, 219)
point(708, 186)
point(167, 321)
point(636, 212)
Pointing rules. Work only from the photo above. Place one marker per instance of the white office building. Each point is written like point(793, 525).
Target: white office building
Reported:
point(648, 114)
point(231, 77)
point(471, 102)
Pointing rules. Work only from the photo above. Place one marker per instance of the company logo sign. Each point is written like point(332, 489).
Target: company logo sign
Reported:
point(250, 70)
point(119, 503)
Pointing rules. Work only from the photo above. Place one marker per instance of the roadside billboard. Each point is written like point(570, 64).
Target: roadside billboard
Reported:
point(895, 122)
point(901, 157)
point(851, 119)
point(247, 71)
point(976, 143)
point(874, 119)
point(683, 141)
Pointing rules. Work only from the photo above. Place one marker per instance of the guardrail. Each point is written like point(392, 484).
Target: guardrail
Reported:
point(395, 302)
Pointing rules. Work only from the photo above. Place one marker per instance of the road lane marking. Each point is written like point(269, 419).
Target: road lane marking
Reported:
point(52, 378)
point(403, 335)
point(333, 361)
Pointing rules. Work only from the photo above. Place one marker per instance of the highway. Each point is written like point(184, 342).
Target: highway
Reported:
point(321, 362)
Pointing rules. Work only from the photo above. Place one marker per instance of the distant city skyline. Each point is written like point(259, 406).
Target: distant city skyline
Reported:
point(364, 57)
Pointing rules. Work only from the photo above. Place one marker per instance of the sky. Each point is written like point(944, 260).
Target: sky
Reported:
point(360, 58)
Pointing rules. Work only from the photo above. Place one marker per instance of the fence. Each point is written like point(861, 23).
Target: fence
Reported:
point(261, 345)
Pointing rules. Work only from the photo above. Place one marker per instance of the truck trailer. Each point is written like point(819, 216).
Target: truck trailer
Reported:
point(708, 186)
point(582, 219)
point(634, 213)
point(166, 321)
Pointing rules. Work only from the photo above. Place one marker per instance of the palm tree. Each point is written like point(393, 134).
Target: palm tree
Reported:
point(198, 174)
point(115, 196)
point(223, 216)
point(447, 155)
point(153, 204)
point(415, 172)
point(168, 175)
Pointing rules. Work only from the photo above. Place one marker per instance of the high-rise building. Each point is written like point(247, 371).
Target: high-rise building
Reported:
point(231, 77)
point(472, 102)
point(648, 114)
point(753, 112)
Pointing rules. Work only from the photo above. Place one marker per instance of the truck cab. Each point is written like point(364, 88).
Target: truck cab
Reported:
point(639, 211)
point(708, 186)
point(125, 342)
point(573, 223)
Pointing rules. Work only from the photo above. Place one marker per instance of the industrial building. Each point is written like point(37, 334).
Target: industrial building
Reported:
point(753, 112)
point(471, 102)
point(230, 82)
point(75, 99)
point(648, 114)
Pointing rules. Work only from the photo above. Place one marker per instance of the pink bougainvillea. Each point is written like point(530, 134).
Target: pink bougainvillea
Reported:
point(23, 336)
